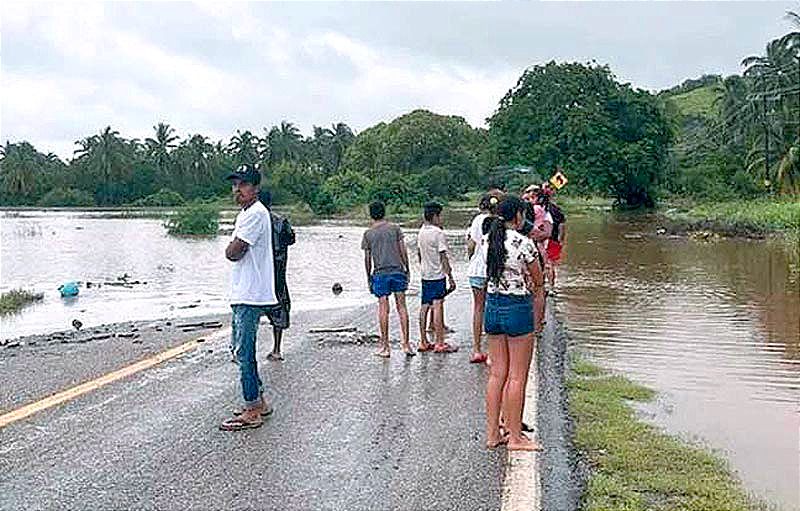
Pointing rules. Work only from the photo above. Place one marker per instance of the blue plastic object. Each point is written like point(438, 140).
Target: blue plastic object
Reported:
point(68, 289)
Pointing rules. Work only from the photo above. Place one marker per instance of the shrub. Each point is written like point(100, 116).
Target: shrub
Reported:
point(14, 300)
point(197, 218)
point(68, 197)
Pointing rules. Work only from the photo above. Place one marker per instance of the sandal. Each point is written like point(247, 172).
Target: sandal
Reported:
point(445, 348)
point(478, 358)
point(239, 424)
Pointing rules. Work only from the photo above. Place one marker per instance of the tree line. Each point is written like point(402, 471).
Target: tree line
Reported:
point(609, 139)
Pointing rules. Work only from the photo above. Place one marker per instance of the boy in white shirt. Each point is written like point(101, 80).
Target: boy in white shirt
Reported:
point(437, 278)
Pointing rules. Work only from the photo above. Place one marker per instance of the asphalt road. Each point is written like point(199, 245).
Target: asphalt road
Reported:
point(350, 431)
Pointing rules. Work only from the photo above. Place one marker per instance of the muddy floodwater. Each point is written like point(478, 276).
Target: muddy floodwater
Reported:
point(713, 326)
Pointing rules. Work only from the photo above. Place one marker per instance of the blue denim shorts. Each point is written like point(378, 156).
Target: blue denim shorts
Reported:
point(478, 282)
point(510, 315)
point(433, 290)
point(384, 284)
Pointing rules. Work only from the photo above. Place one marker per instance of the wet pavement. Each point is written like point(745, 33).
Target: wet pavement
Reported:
point(350, 431)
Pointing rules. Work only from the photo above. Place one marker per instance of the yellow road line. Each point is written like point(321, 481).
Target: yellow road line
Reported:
point(83, 388)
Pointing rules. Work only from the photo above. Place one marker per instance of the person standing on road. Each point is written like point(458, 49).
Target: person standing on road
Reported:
point(437, 277)
point(476, 272)
point(282, 238)
point(386, 263)
point(540, 233)
point(513, 272)
point(252, 292)
point(556, 242)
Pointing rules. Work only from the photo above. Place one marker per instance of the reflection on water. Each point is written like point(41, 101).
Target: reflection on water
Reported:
point(713, 326)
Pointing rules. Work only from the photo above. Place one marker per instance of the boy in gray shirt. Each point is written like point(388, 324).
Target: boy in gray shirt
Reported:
point(386, 263)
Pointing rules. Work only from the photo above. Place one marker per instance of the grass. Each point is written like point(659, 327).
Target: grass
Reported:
point(636, 467)
point(16, 299)
point(698, 102)
point(742, 217)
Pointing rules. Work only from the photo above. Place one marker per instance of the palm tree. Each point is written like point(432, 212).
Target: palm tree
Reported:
point(19, 172)
point(285, 143)
point(158, 148)
point(244, 147)
point(107, 157)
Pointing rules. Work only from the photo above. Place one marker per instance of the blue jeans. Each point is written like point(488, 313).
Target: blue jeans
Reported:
point(510, 315)
point(244, 329)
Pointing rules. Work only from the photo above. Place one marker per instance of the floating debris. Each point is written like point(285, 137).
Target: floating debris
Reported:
point(348, 337)
point(332, 330)
point(337, 289)
point(76, 324)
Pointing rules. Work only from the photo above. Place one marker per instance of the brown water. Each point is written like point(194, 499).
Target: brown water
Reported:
point(713, 326)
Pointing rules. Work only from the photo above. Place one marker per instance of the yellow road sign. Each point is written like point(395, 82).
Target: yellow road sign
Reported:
point(558, 180)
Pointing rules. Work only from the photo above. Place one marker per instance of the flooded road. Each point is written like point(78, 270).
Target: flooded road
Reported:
point(713, 326)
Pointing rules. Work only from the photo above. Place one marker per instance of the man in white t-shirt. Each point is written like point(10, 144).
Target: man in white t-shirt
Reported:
point(437, 278)
point(252, 291)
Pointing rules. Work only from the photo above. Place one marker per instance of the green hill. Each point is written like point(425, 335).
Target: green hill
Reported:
point(698, 102)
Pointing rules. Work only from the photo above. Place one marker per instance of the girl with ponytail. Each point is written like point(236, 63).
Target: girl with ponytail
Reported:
point(476, 271)
point(512, 272)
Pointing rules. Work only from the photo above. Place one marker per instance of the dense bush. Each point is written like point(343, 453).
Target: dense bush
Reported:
point(197, 218)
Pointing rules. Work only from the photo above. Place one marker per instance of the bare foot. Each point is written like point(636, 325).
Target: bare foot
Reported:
point(408, 351)
point(494, 440)
point(275, 357)
point(523, 443)
point(383, 353)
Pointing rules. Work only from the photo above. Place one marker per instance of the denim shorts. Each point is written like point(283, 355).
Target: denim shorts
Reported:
point(433, 290)
point(384, 284)
point(478, 282)
point(510, 315)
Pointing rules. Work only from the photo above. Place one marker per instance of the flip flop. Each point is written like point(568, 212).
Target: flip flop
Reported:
point(383, 354)
point(410, 353)
point(274, 357)
point(237, 424)
point(478, 358)
point(445, 348)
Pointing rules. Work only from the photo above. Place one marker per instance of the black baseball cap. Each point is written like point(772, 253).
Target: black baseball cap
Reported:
point(248, 173)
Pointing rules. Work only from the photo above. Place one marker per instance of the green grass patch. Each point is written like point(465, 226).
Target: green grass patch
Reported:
point(16, 299)
point(699, 102)
point(634, 465)
point(760, 216)
point(196, 219)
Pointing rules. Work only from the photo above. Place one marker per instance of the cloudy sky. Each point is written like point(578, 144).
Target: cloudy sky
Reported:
point(69, 69)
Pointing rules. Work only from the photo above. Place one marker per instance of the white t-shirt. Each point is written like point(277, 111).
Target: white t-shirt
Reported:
point(520, 252)
point(477, 263)
point(431, 242)
point(253, 276)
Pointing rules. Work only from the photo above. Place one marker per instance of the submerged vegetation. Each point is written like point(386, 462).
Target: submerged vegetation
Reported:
point(633, 465)
point(16, 299)
point(195, 219)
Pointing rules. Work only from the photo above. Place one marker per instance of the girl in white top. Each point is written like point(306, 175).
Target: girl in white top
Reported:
point(476, 271)
point(513, 272)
